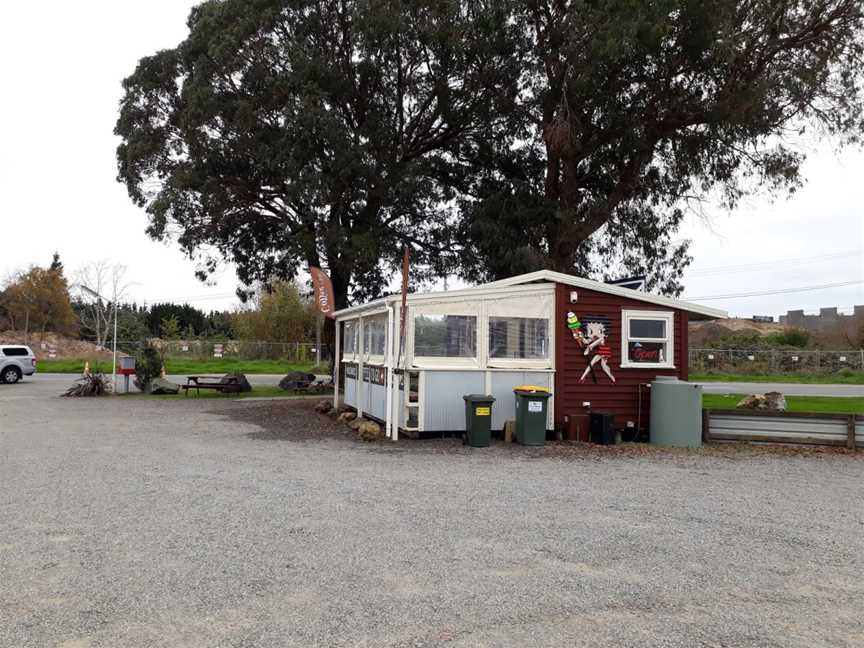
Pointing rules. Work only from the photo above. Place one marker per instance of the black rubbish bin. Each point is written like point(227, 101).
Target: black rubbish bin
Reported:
point(603, 428)
point(478, 419)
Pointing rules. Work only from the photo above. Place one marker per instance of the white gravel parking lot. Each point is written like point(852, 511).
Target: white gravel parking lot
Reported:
point(211, 523)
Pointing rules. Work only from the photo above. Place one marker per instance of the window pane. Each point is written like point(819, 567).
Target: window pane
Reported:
point(647, 352)
point(374, 334)
point(349, 338)
point(445, 336)
point(15, 351)
point(648, 328)
point(518, 337)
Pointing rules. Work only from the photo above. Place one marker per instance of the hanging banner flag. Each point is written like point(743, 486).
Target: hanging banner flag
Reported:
point(323, 292)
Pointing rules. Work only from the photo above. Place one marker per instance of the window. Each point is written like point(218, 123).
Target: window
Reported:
point(375, 335)
point(16, 351)
point(445, 336)
point(349, 338)
point(523, 338)
point(647, 339)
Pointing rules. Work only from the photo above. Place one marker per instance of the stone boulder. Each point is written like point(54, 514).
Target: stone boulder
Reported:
point(296, 380)
point(242, 384)
point(345, 417)
point(370, 431)
point(323, 406)
point(769, 402)
point(162, 386)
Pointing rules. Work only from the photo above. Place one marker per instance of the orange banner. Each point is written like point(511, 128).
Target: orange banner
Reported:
point(323, 292)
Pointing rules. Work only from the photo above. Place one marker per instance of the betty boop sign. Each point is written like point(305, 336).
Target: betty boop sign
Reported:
point(592, 336)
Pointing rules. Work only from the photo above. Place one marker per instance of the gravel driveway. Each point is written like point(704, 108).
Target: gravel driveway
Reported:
point(213, 524)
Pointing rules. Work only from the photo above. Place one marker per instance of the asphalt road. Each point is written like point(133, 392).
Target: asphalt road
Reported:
point(709, 387)
point(161, 524)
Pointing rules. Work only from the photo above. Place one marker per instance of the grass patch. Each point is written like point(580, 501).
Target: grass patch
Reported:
point(187, 366)
point(820, 404)
point(843, 377)
point(258, 391)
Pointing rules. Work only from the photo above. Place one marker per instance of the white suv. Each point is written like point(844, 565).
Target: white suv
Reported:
point(16, 361)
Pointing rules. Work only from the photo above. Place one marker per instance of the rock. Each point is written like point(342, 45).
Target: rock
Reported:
point(296, 380)
point(770, 402)
point(242, 382)
point(162, 386)
point(775, 402)
point(370, 431)
point(333, 412)
point(355, 423)
point(323, 406)
point(322, 381)
point(344, 417)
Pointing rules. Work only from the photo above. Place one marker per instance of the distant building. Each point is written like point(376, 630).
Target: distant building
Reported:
point(828, 319)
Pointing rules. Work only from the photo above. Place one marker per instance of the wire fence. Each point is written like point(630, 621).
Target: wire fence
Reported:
point(293, 352)
point(755, 361)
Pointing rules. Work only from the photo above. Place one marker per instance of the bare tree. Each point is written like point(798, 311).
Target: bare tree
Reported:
point(106, 279)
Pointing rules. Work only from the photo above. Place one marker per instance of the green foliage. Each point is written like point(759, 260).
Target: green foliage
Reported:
point(285, 135)
point(794, 337)
point(636, 111)
point(186, 317)
point(148, 365)
point(277, 313)
point(169, 329)
point(38, 300)
point(493, 137)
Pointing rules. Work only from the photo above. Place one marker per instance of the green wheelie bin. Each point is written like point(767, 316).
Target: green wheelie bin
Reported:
point(478, 419)
point(531, 407)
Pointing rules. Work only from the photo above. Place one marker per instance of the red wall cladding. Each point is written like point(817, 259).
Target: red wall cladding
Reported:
point(622, 397)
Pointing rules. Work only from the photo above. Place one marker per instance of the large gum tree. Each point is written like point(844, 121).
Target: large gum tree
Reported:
point(282, 135)
point(633, 111)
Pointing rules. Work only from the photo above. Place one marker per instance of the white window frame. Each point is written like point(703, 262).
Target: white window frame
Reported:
point(373, 358)
point(355, 326)
point(521, 363)
point(669, 340)
point(448, 361)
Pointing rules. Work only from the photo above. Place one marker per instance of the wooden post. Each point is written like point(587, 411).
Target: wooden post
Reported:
point(850, 432)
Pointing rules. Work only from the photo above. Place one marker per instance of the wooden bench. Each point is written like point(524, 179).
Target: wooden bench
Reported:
point(229, 386)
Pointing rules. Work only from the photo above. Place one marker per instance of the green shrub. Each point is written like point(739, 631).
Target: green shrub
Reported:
point(798, 338)
point(148, 365)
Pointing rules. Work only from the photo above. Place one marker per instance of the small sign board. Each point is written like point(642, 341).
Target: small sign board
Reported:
point(750, 357)
point(794, 358)
point(185, 347)
point(217, 354)
point(710, 356)
point(482, 411)
point(842, 358)
point(535, 406)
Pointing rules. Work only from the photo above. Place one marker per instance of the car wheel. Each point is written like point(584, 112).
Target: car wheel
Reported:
point(11, 375)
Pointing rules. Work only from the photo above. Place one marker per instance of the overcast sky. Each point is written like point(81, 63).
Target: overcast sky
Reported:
point(62, 66)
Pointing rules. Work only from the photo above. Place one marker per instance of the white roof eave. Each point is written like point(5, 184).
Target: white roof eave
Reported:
point(618, 291)
point(518, 283)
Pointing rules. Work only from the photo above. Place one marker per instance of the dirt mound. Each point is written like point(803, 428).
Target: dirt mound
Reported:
point(52, 344)
point(703, 332)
